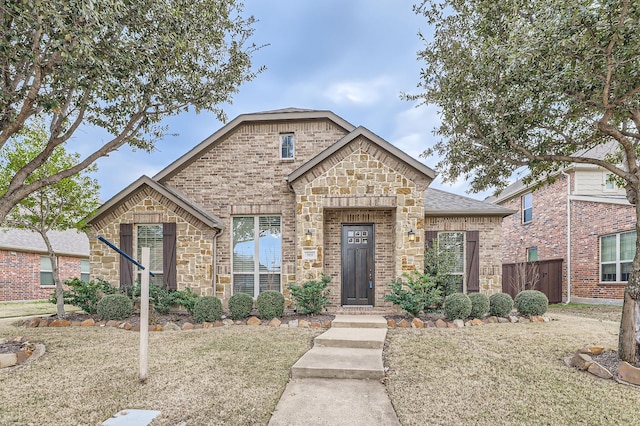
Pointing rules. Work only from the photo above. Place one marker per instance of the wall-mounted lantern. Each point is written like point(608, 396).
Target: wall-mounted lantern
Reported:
point(308, 235)
point(412, 236)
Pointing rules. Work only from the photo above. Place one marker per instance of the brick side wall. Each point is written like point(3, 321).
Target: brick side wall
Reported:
point(589, 221)
point(490, 245)
point(20, 275)
point(548, 232)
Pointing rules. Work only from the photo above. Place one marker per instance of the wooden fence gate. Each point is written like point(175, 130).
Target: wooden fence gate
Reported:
point(544, 275)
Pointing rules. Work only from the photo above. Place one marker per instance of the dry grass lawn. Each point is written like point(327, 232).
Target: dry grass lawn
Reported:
point(217, 376)
point(18, 309)
point(505, 374)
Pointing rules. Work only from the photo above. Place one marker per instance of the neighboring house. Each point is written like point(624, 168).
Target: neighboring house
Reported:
point(281, 197)
point(25, 266)
point(585, 220)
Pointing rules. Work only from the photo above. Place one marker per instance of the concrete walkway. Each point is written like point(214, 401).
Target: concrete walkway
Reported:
point(338, 381)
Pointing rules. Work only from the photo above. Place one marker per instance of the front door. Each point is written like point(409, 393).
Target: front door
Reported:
point(358, 272)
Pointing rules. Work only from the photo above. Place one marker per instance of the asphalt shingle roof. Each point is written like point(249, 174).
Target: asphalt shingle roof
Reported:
point(69, 242)
point(437, 202)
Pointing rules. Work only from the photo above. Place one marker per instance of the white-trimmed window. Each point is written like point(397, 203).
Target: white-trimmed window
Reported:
point(84, 270)
point(287, 150)
point(150, 236)
point(46, 271)
point(616, 255)
point(453, 242)
point(257, 254)
point(532, 254)
point(527, 208)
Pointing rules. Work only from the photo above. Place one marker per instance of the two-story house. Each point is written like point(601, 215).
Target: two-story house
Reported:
point(281, 197)
point(584, 219)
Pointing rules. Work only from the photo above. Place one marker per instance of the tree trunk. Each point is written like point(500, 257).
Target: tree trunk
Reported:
point(630, 324)
point(56, 276)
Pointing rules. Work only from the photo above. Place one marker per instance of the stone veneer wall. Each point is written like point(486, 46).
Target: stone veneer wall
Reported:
point(243, 174)
point(384, 259)
point(362, 176)
point(490, 236)
point(194, 241)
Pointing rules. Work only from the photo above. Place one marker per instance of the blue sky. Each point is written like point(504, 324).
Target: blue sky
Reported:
point(352, 57)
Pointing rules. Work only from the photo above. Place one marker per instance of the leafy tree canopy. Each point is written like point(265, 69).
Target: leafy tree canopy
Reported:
point(532, 83)
point(119, 65)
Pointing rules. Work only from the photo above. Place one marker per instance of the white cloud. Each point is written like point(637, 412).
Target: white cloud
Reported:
point(358, 92)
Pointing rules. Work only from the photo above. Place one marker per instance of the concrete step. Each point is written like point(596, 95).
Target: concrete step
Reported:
point(339, 363)
point(363, 338)
point(359, 321)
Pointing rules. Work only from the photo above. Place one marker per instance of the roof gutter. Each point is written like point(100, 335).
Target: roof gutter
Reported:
point(568, 236)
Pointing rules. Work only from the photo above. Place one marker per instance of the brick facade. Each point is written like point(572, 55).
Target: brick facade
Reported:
point(548, 232)
point(20, 275)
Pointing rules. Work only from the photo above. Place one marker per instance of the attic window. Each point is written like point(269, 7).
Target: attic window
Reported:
point(286, 146)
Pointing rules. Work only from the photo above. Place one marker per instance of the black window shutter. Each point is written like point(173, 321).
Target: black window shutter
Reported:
point(169, 276)
point(126, 245)
point(473, 261)
point(429, 236)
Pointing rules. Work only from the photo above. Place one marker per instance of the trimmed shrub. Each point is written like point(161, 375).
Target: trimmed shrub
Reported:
point(85, 295)
point(240, 306)
point(270, 304)
point(207, 308)
point(479, 305)
point(457, 306)
point(115, 307)
point(185, 298)
point(158, 297)
point(531, 302)
point(500, 304)
point(312, 296)
point(417, 294)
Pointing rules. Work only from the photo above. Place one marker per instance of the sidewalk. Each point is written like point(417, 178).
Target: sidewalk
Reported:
point(338, 381)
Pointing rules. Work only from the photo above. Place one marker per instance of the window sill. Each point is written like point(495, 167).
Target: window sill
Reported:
point(616, 283)
point(287, 160)
point(47, 286)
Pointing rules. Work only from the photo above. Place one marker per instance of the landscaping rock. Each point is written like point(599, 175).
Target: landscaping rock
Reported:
point(126, 326)
point(303, 323)
point(275, 322)
point(22, 356)
point(629, 373)
point(254, 321)
point(89, 323)
point(492, 320)
point(536, 318)
point(441, 324)
point(112, 323)
point(417, 323)
point(187, 326)
point(430, 324)
point(135, 327)
point(44, 323)
point(76, 323)
point(391, 323)
point(513, 319)
point(327, 324)
point(315, 324)
point(404, 324)
point(170, 326)
point(227, 322)
point(459, 323)
point(598, 370)
point(451, 325)
point(293, 323)
point(8, 360)
point(476, 321)
point(524, 320)
point(581, 361)
point(34, 323)
point(503, 320)
point(3, 341)
point(596, 349)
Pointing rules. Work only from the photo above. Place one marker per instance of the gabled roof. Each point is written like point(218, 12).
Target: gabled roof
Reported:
point(441, 203)
point(290, 114)
point(377, 140)
point(70, 242)
point(207, 218)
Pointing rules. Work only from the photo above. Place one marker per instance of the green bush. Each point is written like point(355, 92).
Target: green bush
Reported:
point(185, 298)
point(270, 304)
point(500, 304)
point(115, 307)
point(531, 302)
point(416, 294)
point(240, 306)
point(479, 305)
point(208, 308)
point(158, 297)
point(457, 306)
point(85, 295)
point(312, 296)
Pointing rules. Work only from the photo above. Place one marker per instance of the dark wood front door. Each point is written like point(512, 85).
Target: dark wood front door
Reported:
point(358, 272)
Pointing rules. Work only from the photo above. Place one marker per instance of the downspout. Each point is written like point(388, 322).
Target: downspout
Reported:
point(568, 236)
point(215, 261)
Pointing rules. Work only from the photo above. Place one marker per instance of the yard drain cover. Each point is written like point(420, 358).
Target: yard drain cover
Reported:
point(132, 418)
